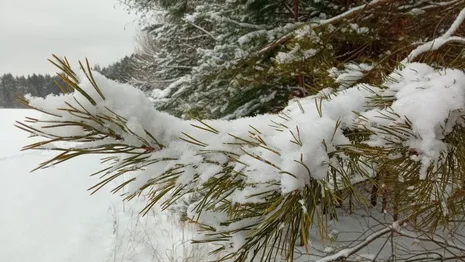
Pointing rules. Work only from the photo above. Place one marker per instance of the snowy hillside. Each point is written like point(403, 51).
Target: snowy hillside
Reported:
point(49, 216)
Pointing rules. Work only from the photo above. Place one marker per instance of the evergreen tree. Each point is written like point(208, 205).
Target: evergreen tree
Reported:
point(207, 50)
point(9, 90)
point(120, 71)
point(382, 123)
point(209, 47)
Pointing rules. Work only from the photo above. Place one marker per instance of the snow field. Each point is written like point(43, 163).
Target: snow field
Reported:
point(49, 216)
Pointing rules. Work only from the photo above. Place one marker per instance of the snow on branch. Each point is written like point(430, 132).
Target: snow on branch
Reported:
point(346, 252)
point(241, 24)
point(347, 13)
point(440, 41)
point(201, 29)
point(274, 162)
point(397, 230)
point(350, 12)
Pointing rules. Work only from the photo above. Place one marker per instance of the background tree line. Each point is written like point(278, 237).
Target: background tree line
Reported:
point(42, 85)
point(38, 85)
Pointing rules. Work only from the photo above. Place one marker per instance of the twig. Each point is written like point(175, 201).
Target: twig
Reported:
point(438, 42)
point(201, 29)
point(352, 11)
point(344, 253)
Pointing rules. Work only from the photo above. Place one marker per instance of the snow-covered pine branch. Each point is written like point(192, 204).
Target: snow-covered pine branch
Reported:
point(307, 147)
point(258, 185)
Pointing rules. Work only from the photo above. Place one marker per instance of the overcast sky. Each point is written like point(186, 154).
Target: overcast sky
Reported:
point(32, 30)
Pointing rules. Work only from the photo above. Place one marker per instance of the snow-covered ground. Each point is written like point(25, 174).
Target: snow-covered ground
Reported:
point(49, 216)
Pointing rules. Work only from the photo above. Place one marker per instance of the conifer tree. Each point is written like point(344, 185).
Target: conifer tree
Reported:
point(380, 129)
point(211, 46)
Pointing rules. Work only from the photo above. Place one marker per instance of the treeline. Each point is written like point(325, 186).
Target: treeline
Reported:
point(12, 87)
point(38, 85)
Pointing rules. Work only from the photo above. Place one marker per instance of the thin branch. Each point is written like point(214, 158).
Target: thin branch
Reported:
point(350, 12)
point(440, 41)
point(201, 29)
point(344, 253)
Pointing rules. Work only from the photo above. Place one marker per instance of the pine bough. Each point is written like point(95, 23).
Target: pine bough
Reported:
point(257, 185)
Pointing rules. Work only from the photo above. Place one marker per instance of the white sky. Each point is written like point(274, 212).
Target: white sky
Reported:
point(32, 30)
